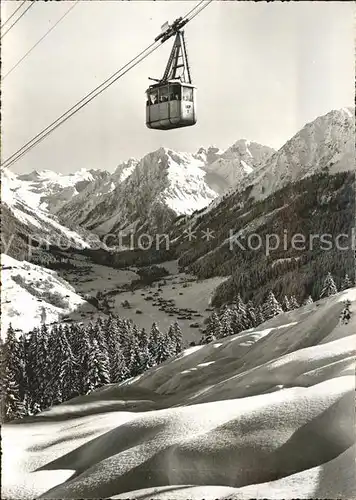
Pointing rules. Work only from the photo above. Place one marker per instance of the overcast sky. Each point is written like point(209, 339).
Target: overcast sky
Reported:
point(262, 70)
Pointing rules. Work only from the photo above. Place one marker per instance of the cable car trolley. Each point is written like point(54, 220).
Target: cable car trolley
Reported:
point(171, 102)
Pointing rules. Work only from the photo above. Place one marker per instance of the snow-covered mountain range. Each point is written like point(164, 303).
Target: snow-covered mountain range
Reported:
point(146, 193)
point(327, 143)
point(149, 193)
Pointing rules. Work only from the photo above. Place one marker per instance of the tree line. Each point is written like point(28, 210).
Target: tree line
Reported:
point(48, 366)
point(239, 315)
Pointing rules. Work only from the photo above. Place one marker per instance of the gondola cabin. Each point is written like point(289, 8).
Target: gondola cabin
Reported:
point(171, 105)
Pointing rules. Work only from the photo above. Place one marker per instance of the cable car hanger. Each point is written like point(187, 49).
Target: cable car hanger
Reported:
point(171, 102)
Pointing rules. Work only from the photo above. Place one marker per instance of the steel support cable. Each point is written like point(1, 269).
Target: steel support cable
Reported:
point(12, 15)
point(18, 19)
point(70, 112)
point(40, 40)
point(89, 97)
point(55, 125)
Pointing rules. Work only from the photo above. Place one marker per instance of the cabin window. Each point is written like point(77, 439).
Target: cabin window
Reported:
point(187, 94)
point(152, 97)
point(163, 94)
point(174, 92)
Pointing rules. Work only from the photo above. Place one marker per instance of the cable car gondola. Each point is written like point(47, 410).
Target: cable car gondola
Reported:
point(171, 103)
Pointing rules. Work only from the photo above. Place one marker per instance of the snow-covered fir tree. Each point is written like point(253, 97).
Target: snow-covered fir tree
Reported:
point(346, 313)
point(69, 372)
point(112, 337)
point(52, 390)
point(329, 287)
point(176, 338)
point(259, 315)
point(293, 303)
point(163, 348)
point(98, 370)
point(12, 377)
point(271, 307)
point(134, 360)
point(285, 304)
point(308, 300)
point(154, 340)
point(37, 368)
point(346, 283)
point(226, 321)
point(65, 361)
point(83, 360)
point(251, 314)
point(145, 360)
point(213, 326)
point(241, 318)
point(207, 337)
point(119, 370)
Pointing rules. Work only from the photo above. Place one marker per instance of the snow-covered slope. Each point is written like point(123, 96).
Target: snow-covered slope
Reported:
point(267, 413)
point(31, 294)
point(50, 190)
point(25, 204)
point(327, 143)
point(237, 162)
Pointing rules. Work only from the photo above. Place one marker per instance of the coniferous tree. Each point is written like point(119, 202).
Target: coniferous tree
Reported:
point(36, 367)
point(251, 314)
point(43, 372)
point(125, 339)
point(207, 337)
point(145, 358)
point(293, 303)
point(98, 372)
point(346, 283)
point(163, 349)
point(176, 338)
point(119, 370)
point(74, 333)
point(346, 313)
point(271, 307)
point(134, 360)
point(54, 389)
point(285, 304)
point(226, 321)
point(259, 316)
point(154, 340)
point(98, 334)
point(329, 287)
point(114, 348)
point(240, 320)
point(213, 327)
point(84, 360)
point(12, 371)
point(69, 372)
point(308, 301)
point(23, 384)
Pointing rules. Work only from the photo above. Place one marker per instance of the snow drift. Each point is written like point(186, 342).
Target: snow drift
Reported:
point(266, 413)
